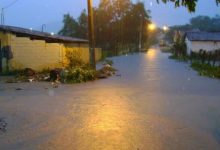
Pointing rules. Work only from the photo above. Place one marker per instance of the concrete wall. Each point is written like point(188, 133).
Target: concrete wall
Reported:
point(195, 46)
point(38, 55)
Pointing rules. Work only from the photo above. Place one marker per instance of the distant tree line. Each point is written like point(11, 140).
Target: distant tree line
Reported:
point(119, 26)
point(199, 23)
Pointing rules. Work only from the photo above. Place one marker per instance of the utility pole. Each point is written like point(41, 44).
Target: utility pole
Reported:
point(2, 17)
point(91, 35)
point(42, 27)
point(141, 30)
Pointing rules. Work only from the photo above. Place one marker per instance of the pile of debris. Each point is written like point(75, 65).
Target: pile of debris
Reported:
point(30, 75)
point(3, 125)
point(57, 75)
point(106, 71)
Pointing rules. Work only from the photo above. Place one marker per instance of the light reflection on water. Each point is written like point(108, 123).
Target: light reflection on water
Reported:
point(146, 108)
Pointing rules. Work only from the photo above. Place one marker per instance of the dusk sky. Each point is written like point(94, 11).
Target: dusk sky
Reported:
point(34, 13)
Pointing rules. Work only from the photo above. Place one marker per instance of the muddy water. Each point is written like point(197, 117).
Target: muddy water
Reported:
point(156, 104)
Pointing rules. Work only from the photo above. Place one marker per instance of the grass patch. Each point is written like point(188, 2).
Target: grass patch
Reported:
point(179, 58)
point(206, 70)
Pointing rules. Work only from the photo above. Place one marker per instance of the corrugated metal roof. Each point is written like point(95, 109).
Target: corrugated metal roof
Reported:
point(203, 36)
point(37, 35)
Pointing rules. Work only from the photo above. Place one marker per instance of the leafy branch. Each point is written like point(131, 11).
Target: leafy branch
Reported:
point(190, 4)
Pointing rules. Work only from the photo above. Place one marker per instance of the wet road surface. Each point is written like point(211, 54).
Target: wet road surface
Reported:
point(156, 104)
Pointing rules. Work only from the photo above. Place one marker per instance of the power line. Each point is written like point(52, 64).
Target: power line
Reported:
point(11, 4)
point(2, 11)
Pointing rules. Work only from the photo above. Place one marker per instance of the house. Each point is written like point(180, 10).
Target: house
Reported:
point(26, 48)
point(195, 41)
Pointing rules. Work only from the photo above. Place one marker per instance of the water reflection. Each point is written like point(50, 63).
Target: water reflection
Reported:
point(151, 54)
point(144, 109)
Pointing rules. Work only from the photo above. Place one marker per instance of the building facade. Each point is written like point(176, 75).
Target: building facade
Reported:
point(208, 41)
point(24, 48)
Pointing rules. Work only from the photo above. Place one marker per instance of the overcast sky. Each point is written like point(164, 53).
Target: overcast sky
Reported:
point(34, 13)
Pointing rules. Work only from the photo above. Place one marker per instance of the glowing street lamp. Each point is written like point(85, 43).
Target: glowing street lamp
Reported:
point(165, 28)
point(152, 27)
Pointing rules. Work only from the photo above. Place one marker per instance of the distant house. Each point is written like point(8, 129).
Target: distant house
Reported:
point(195, 41)
point(25, 48)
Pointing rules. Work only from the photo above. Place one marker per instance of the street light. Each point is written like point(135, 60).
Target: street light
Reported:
point(165, 28)
point(91, 35)
point(152, 27)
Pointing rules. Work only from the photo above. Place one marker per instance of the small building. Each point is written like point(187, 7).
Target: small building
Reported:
point(25, 48)
point(208, 41)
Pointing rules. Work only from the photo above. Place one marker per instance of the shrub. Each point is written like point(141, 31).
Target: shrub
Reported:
point(206, 69)
point(79, 75)
point(74, 58)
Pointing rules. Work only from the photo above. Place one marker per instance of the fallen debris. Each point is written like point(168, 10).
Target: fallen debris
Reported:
point(106, 71)
point(3, 125)
point(77, 74)
point(28, 72)
point(18, 89)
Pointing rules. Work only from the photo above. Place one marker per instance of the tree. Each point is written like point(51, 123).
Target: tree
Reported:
point(82, 29)
point(70, 26)
point(118, 23)
point(190, 4)
point(199, 23)
point(75, 28)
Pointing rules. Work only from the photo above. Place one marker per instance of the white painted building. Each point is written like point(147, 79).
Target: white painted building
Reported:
point(195, 41)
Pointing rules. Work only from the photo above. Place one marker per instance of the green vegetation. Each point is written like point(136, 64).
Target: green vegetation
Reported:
point(204, 62)
point(206, 69)
point(201, 23)
point(76, 72)
point(178, 48)
point(190, 4)
point(119, 25)
point(179, 58)
point(79, 75)
point(79, 72)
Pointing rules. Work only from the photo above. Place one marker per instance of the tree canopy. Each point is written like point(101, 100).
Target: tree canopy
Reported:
point(190, 4)
point(199, 23)
point(118, 24)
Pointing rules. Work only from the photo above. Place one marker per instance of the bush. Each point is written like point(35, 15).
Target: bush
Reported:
point(74, 58)
point(206, 69)
point(79, 75)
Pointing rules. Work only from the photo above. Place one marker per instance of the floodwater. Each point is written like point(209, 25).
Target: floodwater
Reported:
point(156, 104)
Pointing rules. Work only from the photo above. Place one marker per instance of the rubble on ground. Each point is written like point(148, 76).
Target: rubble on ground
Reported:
point(58, 75)
point(106, 71)
point(3, 125)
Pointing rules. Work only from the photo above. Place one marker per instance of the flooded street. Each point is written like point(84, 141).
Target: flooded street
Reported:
point(156, 104)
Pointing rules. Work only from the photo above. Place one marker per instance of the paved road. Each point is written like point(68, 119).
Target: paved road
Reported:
point(157, 104)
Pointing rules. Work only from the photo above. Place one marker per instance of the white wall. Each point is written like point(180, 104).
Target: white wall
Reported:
point(188, 46)
point(195, 46)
